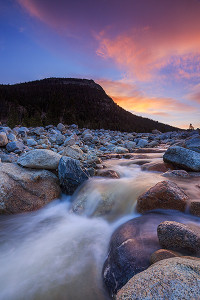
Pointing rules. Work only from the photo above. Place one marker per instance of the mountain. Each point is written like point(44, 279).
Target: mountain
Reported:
point(68, 100)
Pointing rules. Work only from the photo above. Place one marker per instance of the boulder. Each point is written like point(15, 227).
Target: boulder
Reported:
point(40, 159)
point(164, 195)
point(179, 237)
point(174, 278)
point(23, 190)
point(73, 151)
point(71, 175)
point(162, 254)
point(183, 158)
point(3, 139)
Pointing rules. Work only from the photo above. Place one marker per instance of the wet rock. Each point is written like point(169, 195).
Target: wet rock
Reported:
point(3, 139)
point(177, 173)
point(131, 247)
point(110, 174)
point(174, 278)
point(40, 159)
point(23, 190)
point(183, 158)
point(73, 151)
point(71, 175)
point(157, 166)
point(162, 254)
point(15, 146)
point(180, 237)
point(164, 195)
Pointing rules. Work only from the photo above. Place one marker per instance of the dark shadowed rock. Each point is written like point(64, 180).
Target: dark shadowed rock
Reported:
point(23, 190)
point(183, 158)
point(71, 175)
point(180, 237)
point(165, 195)
point(174, 278)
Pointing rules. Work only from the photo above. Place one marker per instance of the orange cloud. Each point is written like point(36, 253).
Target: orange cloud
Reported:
point(131, 98)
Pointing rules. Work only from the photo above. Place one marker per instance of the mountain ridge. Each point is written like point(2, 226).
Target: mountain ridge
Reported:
point(68, 100)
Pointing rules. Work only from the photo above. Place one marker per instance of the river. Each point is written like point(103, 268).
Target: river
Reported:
point(55, 254)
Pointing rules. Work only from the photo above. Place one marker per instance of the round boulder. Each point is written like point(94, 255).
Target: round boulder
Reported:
point(164, 195)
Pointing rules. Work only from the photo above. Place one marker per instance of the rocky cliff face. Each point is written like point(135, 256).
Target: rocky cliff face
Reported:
point(68, 100)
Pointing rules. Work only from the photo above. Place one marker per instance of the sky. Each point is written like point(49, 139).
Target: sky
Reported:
point(144, 53)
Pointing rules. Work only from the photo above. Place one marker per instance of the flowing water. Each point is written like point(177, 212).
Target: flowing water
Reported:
point(55, 254)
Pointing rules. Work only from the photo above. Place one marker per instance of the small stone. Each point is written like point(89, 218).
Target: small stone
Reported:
point(3, 139)
point(13, 146)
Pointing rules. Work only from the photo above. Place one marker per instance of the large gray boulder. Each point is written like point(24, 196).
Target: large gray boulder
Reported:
point(183, 158)
point(40, 159)
point(71, 175)
point(23, 190)
point(174, 278)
